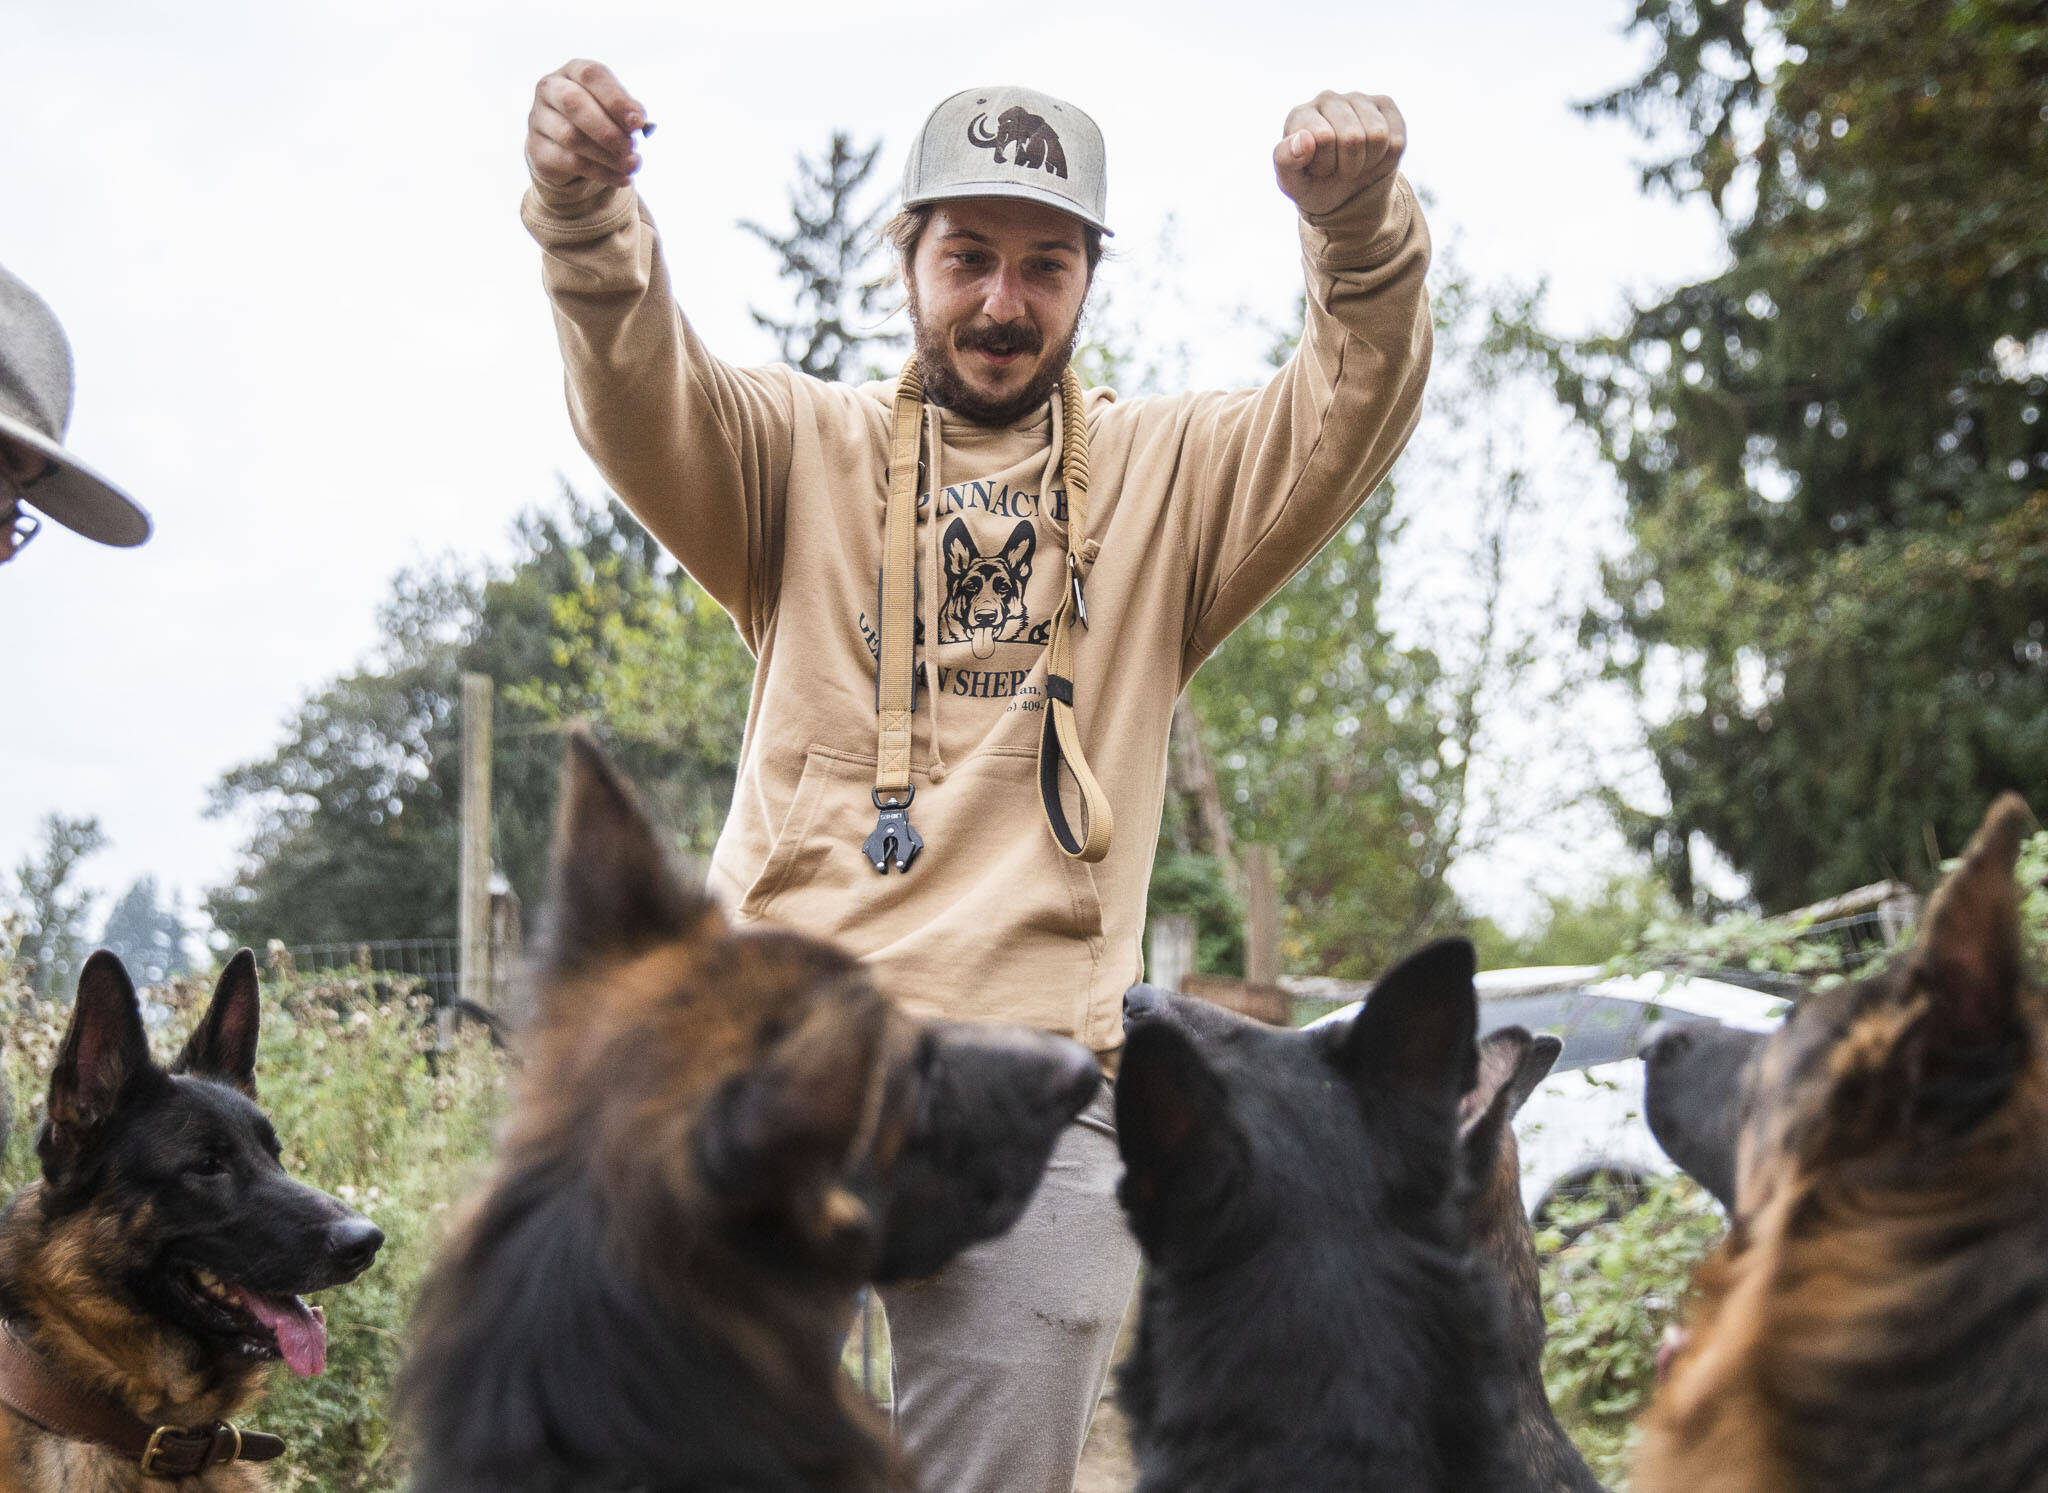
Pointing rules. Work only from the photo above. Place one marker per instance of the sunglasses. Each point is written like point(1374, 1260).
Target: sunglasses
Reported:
point(17, 524)
point(17, 527)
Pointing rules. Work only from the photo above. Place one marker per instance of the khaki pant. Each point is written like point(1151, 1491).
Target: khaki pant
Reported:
point(1000, 1358)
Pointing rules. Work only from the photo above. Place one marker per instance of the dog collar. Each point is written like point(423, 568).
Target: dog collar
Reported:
point(35, 1391)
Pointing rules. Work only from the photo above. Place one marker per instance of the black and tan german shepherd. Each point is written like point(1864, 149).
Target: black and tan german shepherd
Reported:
point(719, 1135)
point(158, 1262)
point(1877, 1318)
point(1317, 1313)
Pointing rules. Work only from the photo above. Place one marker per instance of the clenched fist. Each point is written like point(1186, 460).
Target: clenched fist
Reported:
point(579, 134)
point(1335, 146)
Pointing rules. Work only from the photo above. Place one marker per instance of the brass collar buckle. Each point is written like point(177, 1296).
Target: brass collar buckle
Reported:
point(168, 1441)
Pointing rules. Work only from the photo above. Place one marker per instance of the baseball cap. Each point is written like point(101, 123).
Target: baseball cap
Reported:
point(1010, 142)
point(35, 409)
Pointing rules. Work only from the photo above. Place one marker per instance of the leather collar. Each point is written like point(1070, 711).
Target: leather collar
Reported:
point(32, 1389)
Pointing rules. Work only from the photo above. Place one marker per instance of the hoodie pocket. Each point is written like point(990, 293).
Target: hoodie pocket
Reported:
point(990, 921)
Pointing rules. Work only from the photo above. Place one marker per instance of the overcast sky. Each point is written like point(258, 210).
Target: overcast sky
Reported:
point(310, 337)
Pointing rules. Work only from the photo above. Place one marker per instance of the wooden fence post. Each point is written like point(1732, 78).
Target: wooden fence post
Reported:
point(1261, 917)
point(473, 909)
point(1170, 958)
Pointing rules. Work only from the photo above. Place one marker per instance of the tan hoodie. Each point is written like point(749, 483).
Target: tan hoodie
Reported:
point(769, 486)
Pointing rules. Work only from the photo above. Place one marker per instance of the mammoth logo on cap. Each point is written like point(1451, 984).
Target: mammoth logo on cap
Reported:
point(1037, 144)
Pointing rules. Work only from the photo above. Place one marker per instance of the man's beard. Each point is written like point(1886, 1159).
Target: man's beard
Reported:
point(945, 386)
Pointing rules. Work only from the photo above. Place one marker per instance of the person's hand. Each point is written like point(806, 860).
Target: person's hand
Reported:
point(1335, 146)
point(579, 134)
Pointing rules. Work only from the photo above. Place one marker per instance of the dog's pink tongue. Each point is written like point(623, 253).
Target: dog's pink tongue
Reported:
point(301, 1330)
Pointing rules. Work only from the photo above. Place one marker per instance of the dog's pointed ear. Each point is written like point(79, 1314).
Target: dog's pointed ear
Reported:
point(959, 547)
point(1511, 1064)
point(223, 1045)
point(1020, 547)
point(612, 892)
point(105, 1051)
point(780, 1135)
point(1416, 1032)
point(1960, 1054)
point(1181, 1146)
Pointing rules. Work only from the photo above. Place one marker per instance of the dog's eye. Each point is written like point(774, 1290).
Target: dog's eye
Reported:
point(207, 1166)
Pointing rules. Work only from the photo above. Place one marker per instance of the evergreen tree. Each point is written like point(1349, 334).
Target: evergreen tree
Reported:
point(1833, 452)
point(148, 934)
point(832, 254)
point(52, 907)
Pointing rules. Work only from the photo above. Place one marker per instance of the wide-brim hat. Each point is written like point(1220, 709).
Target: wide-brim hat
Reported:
point(1010, 142)
point(35, 411)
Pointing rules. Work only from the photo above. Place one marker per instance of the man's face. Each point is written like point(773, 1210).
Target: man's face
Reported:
point(996, 289)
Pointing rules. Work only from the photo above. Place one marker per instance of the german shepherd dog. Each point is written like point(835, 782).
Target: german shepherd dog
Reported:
point(1878, 1316)
point(156, 1266)
point(1315, 1314)
point(1693, 1076)
point(719, 1135)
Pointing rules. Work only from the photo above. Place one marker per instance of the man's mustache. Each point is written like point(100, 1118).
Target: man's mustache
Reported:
point(1001, 337)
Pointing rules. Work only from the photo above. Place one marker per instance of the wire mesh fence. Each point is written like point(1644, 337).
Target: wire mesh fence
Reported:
point(433, 963)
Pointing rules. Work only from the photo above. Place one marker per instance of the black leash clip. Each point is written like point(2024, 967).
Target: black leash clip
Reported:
point(893, 838)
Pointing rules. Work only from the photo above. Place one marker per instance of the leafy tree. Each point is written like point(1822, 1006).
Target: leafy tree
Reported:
point(643, 651)
point(832, 252)
point(1372, 738)
point(1327, 751)
point(51, 907)
point(1833, 453)
point(148, 933)
point(356, 814)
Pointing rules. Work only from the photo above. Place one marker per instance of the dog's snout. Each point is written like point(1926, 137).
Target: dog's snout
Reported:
point(1142, 1002)
point(353, 1243)
point(1079, 1076)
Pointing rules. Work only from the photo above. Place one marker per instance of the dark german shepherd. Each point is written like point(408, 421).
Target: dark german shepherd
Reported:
point(155, 1269)
point(1511, 1064)
point(1315, 1314)
point(1693, 1076)
point(1878, 1315)
point(719, 1135)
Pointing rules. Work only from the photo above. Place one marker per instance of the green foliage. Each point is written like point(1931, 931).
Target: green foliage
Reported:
point(1613, 920)
point(1327, 750)
point(1192, 884)
point(1833, 452)
point(356, 814)
point(648, 656)
point(343, 1073)
point(49, 907)
point(832, 254)
point(2032, 875)
point(1795, 954)
point(1608, 1295)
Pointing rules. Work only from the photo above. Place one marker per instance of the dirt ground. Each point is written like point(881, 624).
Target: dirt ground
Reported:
point(1106, 1465)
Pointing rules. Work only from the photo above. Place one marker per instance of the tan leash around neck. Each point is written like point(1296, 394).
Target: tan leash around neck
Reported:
point(893, 841)
point(33, 1390)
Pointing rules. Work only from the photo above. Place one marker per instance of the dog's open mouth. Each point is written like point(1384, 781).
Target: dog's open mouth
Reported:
point(261, 1326)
